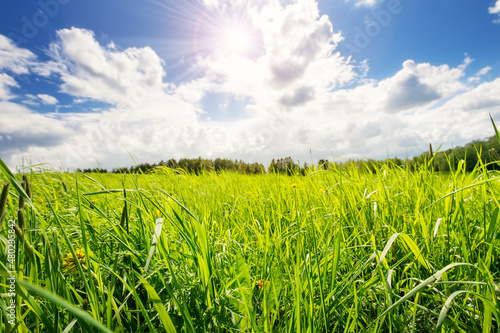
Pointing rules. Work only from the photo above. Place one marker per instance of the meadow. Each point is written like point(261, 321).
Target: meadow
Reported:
point(338, 250)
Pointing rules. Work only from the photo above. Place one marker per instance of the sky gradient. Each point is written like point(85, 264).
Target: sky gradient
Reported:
point(87, 83)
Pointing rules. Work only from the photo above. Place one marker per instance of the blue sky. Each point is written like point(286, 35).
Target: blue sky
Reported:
point(86, 82)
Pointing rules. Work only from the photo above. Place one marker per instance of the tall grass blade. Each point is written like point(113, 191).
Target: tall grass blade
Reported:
point(162, 311)
point(85, 319)
point(435, 277)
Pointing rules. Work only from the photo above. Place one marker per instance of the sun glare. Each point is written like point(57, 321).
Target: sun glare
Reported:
point(235, 40)
point(226, 33)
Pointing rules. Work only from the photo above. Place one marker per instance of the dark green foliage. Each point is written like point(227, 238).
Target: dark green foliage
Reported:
point(471, 153)
point(284, 166)
point(190, 165)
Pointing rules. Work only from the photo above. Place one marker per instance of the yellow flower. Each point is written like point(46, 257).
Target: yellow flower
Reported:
point(249, 193)
point(69, 264)
point(323, 191)
point(261, 283)
point(293, 185)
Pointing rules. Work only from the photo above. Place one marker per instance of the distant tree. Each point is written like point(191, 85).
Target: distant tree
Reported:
point(323, 164)
point(284, 166)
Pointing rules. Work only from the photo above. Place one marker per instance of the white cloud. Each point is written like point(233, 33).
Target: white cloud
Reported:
point(484, 71)
point(295, 38)
point(367, 3)
point(483, 98)
point(89, 70)
point(6, 81)
point(15, 60)
point(495, 10)
point(22, 129)
point(47, 99)
point(481, 72)
point(418, 85)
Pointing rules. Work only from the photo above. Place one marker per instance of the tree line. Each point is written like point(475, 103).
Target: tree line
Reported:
point(478, 151)
point(189, 165)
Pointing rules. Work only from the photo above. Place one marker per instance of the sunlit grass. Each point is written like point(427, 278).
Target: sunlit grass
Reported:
point(341, 250)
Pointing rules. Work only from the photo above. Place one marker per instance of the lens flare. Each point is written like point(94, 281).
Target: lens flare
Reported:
point(235, 39)
point(226, 33)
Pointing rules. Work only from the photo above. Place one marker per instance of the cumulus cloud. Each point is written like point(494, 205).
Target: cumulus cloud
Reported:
point(419, 84)
point(295, 37)
point(297, 96)
point(91, 70)
point(409, 92)
point(14, 60)
point(484, 97)
point(21, 129)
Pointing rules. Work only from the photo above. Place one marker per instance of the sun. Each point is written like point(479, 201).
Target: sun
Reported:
point(236, 40)
point(226, 33)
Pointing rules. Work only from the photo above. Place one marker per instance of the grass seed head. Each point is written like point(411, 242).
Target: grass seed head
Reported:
point(21, 221)
point(27, 186)
point(21, 198)
point(3, 199)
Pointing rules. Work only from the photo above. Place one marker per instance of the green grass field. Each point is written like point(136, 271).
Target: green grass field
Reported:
point(333, 251)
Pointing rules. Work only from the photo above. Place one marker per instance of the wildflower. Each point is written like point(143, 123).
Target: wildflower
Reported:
point(249, 193)
point(261, 283)
point(293, 185)
point(323, 191)
point(69, 264)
